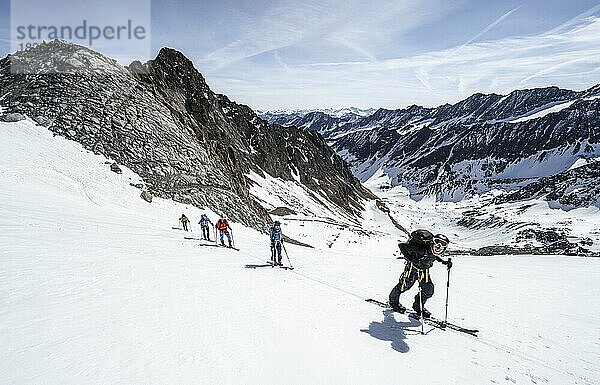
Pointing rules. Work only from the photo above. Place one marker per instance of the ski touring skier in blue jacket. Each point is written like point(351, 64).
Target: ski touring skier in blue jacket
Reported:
point(205, 225)
point(276, 243)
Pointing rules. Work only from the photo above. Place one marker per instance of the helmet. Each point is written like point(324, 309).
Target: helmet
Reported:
point(440, 243)
point(276, 223)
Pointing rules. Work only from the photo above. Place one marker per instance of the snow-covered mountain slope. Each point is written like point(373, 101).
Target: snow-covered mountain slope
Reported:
point(162, 120)
point(96, 288)
point(483, 143)
point(495, 223)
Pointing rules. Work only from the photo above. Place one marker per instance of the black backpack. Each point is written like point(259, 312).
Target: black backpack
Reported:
point(420, 237)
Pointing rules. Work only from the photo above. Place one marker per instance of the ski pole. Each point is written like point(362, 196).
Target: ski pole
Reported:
point(447, 290)
point(421, 310)
point(232, 238)
point(287, 255)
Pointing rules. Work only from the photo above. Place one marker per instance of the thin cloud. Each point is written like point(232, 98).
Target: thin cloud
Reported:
point(351, 25)
point(492, 25)
point(572, 56)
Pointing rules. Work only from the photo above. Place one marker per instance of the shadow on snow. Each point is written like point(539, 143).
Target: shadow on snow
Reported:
point(391, 330)
point(257, 266)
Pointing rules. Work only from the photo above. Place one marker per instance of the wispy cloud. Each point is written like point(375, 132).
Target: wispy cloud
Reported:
point(282, 25)
point(492, 25)
point(320, 26)
point(329, 54)
point(570, 56)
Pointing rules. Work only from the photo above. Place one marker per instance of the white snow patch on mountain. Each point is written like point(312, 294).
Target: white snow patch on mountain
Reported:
point(583, 161)
point(547, 163)
point(543, 111)
point(275, 192)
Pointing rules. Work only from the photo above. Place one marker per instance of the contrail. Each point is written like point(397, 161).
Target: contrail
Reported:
point(495, 23)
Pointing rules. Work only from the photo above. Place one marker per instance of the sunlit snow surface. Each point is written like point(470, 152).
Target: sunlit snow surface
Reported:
point(97, 288)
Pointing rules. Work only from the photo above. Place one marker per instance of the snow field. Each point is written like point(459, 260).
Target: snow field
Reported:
point(96, 288)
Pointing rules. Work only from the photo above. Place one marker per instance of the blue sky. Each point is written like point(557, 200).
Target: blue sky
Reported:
point(309, 54)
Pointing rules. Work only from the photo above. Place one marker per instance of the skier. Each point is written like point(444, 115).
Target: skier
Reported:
point(223, 227)
point(184, 221)
point(422, 249)
point(276, 243)
point(205, 225)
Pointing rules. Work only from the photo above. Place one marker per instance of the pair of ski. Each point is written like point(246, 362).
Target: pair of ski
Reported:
point(210, 244)
point(273, 264)
point(432, 321)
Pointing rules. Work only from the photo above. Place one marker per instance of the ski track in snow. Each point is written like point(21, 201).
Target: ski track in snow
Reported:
point(96, 288)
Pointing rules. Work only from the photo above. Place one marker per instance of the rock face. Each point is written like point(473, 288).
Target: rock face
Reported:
point(147, 196)
point(161, 120)
point(524, 143)
point(567, 190)
point(14, 117)
point(115, 168)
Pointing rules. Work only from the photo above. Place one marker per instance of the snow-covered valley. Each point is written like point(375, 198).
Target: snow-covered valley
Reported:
point(97, 287)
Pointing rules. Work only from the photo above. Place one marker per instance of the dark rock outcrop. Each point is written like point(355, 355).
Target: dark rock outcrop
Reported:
point(147, 196)
point(115, 168)
point(11, 118)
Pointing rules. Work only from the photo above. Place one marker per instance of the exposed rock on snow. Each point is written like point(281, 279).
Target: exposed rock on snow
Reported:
point(147, 196)
point(282, 211)
point(574, 188)
point(115, 168)
point(557, 248)
point(42, 120)
point(14, 117)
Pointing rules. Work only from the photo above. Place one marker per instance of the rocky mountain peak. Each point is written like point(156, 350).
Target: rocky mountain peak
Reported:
point(162, 120)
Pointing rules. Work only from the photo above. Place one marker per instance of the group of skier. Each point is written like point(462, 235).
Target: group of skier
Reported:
point(420, 252)
point(222, 226)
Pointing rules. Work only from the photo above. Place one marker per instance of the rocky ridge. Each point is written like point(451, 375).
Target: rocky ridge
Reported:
point(162, 120)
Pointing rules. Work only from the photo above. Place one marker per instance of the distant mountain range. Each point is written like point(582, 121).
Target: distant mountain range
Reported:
point(540, 142)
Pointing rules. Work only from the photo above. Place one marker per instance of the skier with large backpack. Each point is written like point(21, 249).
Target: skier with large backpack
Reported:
point(420, 252)
point(205, 225)
point(223, 227)
point(276, 243)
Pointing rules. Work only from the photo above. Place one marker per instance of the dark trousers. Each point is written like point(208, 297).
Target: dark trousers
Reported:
point(185, 225)
point(276, 252)
point(206, 232)
point(225, 233)
point(408, 278)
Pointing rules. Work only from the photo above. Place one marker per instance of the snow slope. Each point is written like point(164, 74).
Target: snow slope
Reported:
point(544, 110)
point(96, 288)
point(500, 222)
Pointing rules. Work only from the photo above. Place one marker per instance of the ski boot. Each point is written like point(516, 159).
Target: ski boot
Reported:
point(398, 308)
point(417, 308)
